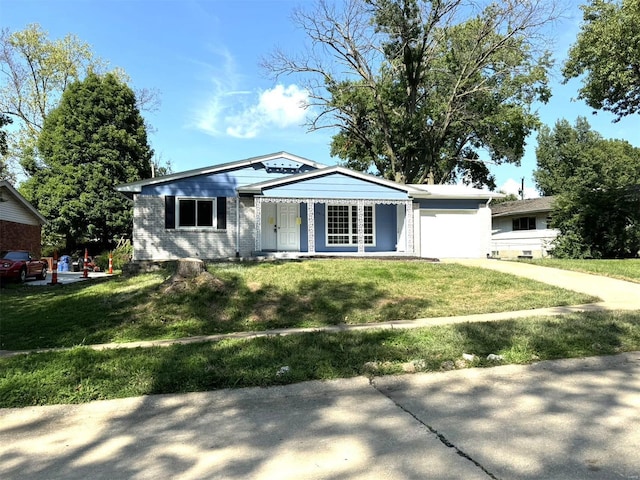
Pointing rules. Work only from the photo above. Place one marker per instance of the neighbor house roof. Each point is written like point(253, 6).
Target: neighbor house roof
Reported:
point(5, 185)
point(273, 160)
point(521, 207)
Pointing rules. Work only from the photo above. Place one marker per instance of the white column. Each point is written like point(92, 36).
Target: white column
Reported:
point(258, 217)
point(409, 220)
point(311, 226)
point(360, 223)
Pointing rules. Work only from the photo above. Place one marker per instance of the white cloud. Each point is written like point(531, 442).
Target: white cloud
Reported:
point(513, 186)
point(245, 114)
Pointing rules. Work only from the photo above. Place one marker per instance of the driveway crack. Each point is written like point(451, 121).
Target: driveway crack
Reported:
point(443, 439)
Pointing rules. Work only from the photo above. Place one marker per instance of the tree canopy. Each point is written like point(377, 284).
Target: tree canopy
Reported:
point(421, 90)
point(607, 54)
point(34, 71)
point(94, 140)
point(597, 186)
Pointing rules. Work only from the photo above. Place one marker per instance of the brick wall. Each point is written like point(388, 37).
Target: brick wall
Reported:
point(18, 236)
point(151, 241)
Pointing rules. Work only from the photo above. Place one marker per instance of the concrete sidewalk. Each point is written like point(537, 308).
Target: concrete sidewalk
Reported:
point(570, 419)
point(615, 294)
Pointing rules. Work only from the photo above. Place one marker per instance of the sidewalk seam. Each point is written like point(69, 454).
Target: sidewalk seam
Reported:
point(440, 436)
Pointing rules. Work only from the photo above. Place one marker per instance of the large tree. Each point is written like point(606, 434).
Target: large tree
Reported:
point(34, 72)
point(597, 186)
point(94, 140)
point(607, 55)
point(424, 90)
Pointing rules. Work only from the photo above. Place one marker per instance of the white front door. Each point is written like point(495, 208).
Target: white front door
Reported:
point(288, 215)
point(280, 227)
point(269, 228)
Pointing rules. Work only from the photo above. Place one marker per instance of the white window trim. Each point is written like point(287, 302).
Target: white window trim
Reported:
point(214, 213)
point(351, 234)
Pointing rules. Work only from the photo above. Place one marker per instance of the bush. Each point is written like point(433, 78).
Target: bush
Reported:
point(121, 256)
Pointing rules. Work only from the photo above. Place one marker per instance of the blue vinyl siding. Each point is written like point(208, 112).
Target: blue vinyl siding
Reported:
point(220, 184)
point(451, 204)
point(385, 223)
point(335, 185)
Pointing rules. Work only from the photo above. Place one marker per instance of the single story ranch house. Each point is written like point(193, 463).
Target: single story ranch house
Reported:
point(285, 204)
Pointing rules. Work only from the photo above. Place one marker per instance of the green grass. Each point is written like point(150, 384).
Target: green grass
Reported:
point(260, 296)
point(82, 375)
point(628, 269)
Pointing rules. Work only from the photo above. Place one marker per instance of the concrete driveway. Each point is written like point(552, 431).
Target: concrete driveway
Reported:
point(572, 419)
point(65, 278)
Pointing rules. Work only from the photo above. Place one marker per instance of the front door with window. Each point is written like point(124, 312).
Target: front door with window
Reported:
point(280, 227)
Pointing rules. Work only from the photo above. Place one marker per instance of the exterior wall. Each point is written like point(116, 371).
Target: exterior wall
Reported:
point(20, 229)
point(14, 211)
point(221, 184)
point(507, 243)
point(247, 226)
point(386, 236)
point(154, 242)
point(19, 236)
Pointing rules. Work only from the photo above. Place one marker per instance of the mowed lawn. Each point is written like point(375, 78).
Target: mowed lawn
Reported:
point(627, 269)
point(260, 296)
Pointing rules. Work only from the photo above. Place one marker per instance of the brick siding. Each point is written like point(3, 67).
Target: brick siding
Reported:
point(151, 241)
point(18, 236)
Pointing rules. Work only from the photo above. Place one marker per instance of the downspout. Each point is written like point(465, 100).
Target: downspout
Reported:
point(490, 226)
point(238, 225)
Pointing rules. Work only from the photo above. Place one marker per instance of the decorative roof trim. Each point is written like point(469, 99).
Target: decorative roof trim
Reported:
point(136, 187)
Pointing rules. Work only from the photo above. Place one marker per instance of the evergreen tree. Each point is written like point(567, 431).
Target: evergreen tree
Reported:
point(94, 140)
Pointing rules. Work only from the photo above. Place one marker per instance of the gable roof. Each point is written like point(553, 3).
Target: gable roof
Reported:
point(257, 188)
point(273, 160)
point(520, 207)
point(4, 184)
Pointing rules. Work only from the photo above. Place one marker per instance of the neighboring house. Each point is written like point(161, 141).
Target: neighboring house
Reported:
point(20, 223)
point(285, 203)
point(521, 228)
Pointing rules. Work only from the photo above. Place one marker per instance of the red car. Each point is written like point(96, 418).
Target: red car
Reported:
point(19, 265)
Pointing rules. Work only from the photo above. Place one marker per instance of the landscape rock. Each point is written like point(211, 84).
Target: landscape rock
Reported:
point(469, 357)
point(495, 358)
point(447, 365)
point(460, 363)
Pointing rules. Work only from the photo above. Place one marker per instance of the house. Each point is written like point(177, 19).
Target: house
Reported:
point(521, 228)
point(20, 223)
point(282, 203)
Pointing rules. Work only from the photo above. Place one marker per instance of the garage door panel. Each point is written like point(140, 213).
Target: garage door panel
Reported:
point(450, 235)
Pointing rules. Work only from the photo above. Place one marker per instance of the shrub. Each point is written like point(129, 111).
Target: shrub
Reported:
point(121, 256)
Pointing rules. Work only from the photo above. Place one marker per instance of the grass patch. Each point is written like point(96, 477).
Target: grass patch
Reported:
point(81, 374)
point(260, 296)
point(627, 269)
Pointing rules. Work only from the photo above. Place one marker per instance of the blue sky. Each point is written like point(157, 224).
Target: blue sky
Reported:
point(217, 103)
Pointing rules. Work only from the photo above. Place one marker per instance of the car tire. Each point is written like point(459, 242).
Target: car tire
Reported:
point(43, 274)
point(23, 275)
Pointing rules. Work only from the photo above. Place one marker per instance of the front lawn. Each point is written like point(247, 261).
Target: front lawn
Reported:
point(260, 296)
point(82, 375)
point(628, 269)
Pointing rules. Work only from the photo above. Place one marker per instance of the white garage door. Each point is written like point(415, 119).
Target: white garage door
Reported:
point(456, 234)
